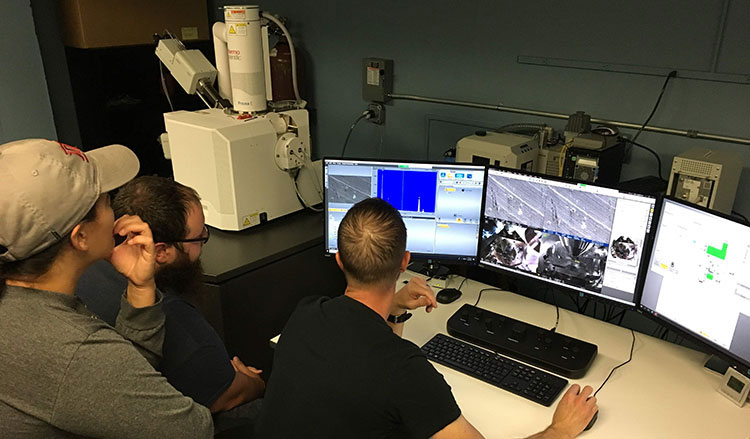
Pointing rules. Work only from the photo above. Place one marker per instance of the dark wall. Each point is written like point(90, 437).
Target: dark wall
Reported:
point(25, 109)
point(56, 71)
point(470, 51)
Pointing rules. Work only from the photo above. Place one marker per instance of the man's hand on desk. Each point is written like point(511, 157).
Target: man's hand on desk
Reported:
point(413, 295)
point(573, 413)
point(246, 386)
point(250, 371)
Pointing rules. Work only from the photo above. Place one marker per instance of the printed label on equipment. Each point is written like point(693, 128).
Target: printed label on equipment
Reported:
point(240, 29)
point(189, 33)
point(373, 76)
point(251, 220)
point(235, 14)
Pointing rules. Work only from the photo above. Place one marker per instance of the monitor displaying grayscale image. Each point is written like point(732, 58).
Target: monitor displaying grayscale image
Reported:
point(580, 236)
point(440, 203)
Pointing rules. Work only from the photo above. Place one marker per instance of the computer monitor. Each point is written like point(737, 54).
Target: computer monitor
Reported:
point(440, 203)
point(698, 279)
point(580, 236)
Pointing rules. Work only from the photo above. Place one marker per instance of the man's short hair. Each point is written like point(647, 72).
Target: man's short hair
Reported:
point(372, 242)
point(161, 202)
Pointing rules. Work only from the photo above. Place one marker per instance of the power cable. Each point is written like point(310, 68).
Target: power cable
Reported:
point(164, 86)
point(671, 75)
point(739, 215)
point(658, 159)
point(365, 114)
point(483, 290)
point(632, 345)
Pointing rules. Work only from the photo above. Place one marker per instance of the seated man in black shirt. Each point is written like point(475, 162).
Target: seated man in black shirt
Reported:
point(195, 360)
point(341, 368)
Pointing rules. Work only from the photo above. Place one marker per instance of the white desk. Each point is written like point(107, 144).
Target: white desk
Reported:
point(664, 392)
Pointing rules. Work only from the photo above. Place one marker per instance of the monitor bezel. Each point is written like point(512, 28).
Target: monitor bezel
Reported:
point(647, 243)
point(415, 256)
point(674, 326)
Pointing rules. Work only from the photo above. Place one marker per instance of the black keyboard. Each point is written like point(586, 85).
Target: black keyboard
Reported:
point(525, 381)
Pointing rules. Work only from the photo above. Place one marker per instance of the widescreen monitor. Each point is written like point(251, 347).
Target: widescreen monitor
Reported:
point(698, 278)
point(440, 203)
point(580, 236)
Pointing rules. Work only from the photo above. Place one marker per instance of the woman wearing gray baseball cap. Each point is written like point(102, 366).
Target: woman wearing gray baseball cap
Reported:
point(64, 372)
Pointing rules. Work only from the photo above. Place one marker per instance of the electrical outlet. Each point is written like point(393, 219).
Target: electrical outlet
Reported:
point(378, 111)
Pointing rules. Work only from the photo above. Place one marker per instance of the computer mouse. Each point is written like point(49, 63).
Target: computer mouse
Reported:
point(448, 295)
point(592, 421)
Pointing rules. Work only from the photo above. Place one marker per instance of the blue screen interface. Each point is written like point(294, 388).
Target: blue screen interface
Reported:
point(440, 203)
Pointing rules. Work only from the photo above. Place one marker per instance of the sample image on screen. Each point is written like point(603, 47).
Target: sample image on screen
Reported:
point(511, 245)
point(349, 189)
point(580, 213)
point(515, 200)
point(563, 210)
point(624, 248)
point(573, 261)
point(411, 191)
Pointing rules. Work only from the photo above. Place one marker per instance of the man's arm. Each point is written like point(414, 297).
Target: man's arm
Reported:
point(415, 294)
point(573, 413)
point(459, 429)
point(246, 386)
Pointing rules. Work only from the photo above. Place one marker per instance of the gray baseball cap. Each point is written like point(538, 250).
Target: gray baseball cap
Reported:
point(48, 187)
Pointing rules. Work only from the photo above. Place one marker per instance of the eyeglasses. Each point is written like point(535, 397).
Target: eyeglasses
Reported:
point(202, 239)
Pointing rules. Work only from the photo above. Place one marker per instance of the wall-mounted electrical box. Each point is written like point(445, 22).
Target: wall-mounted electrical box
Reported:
point(377, 79)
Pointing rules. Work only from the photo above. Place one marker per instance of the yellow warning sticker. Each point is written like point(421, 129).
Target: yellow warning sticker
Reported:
point(250, 220)
point(232, 31)
point(241, 28)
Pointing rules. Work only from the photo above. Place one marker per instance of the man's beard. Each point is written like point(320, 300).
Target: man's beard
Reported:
point(182, 277)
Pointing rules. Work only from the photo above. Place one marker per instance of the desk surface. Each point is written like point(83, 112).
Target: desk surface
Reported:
point(664, 392)
point(230, 254)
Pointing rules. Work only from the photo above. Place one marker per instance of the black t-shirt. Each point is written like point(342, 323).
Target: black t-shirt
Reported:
point(194, 359)
point(340, 371)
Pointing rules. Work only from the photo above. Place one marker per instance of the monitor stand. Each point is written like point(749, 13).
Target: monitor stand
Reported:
point(717, 365)
point(429, 268)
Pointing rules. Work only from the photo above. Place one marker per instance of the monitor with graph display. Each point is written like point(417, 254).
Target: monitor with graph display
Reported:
point(583, 237)
point(440, 203)
point(698, 280)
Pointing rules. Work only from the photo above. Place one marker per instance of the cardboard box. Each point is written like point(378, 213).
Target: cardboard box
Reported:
point(90, 24)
